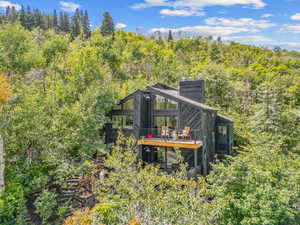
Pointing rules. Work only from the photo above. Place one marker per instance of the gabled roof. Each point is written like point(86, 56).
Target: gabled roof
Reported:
point(225, 118)
point(131, 95)
point(164, 86)
point(173, 94)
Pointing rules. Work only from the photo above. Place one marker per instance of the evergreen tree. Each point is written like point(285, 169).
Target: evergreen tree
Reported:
point(22, 17)
point(81, 16)
point(75, 26)
point(48, 22)
point(54, 20)
point(13, 15)
point(64, 23)
point(38, 19)
point(29, 19)
point(86, 31)
point(170, 36)
point(107, 27)
point(7, 12)
point(60, 21)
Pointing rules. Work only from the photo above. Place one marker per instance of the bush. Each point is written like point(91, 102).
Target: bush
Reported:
point(45, 205)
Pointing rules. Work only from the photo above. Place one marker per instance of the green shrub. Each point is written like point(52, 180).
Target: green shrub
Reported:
point(45, 205)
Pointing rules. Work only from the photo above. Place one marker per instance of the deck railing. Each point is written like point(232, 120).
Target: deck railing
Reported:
point(192, 135)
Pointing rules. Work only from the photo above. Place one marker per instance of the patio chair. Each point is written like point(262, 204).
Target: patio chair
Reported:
point(165, 132)
point(185, 134)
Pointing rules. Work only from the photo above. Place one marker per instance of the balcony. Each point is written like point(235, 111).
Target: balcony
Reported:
point(174, 138)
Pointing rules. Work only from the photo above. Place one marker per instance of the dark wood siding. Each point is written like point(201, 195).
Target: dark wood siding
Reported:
point(189, 116)
point(192, 89)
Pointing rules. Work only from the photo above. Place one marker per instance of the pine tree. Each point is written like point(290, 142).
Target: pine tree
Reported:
point(7, 12)
point(14, 15)
point(86, 31)
point(22, 17)
point(75, 26)
point(54, 20)
point(29, 19)
point(81, 16)
point(60, 21)
point(38, 19)
point(170, 36)
point(48, 22)
point(107, 27)
point(64, 23)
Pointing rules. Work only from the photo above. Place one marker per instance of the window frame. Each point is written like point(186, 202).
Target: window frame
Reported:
point(122, 104)
point(123, 121)
point(165, 120)
point(165, 103)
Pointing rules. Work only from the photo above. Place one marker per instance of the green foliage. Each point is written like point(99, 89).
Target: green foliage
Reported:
point(86, 31)
point(258, 187)
point(55, 48)
point(45, 204)
point(13, 205)
point(32, 18)
point(75, 28)
point(61, 92)
point(106, 213)
point(107, 27)
point(18, 52)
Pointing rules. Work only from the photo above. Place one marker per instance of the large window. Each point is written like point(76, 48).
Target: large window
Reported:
point(128, 105)
point(162, 103)
point(222, 130)
point(120, 121)
point(170, 121)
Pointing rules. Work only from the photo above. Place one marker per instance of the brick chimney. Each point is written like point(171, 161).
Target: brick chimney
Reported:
point(192, 89)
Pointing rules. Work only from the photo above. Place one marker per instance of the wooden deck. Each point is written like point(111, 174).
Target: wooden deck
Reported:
point(161, 142)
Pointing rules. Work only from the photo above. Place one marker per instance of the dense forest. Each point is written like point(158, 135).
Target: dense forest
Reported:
point(58, 81)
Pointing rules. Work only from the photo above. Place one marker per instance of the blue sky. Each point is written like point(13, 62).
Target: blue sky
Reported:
point(259, 22)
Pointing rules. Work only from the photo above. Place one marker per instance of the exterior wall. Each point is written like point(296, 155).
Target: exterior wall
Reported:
point(203, 121)
point(154, 112)
point(111, 134)
point(192, 89)
point(224, 144)
point(189, 116)
point(210, 137)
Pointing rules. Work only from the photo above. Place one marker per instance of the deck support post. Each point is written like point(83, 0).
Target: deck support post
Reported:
point(196, 158)
point(166, 160)
point(204, 157)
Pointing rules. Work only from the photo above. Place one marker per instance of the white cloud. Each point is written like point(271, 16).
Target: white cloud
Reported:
point(121, 25)
point(293, 44)
point(290, 28)
point(249, 23)
point(69, 6)
point(5, 4)
point(266, 15)
point(197, 4)
point(248, 39)
point(204, 30)
point(288, 45)
point(296, 16)
point(181, 12)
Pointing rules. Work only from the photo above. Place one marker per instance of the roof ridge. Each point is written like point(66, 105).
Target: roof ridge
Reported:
point(183, 98)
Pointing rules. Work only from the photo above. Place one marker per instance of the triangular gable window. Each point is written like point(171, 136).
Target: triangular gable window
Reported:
point(162, 103)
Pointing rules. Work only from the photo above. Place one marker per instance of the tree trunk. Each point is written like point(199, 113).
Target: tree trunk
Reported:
point(2, 164)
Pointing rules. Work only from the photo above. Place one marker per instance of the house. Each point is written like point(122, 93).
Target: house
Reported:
point(163, 118)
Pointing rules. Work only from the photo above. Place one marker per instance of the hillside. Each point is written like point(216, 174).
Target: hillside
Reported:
point(62, 87)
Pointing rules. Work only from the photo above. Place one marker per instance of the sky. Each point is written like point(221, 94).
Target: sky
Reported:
point(264, 23)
